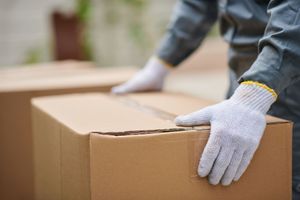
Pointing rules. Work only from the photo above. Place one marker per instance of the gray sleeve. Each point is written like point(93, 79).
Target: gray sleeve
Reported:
point(190, 22)
point(278, 63)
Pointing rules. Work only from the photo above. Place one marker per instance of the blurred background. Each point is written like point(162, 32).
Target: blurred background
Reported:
point(109, 33)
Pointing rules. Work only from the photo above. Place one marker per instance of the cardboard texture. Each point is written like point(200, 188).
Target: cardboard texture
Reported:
point(17, 87)
point(101, 147)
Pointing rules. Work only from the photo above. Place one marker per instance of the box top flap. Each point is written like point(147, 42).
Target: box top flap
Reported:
point(85, 113)
point(122, 115)
point(58, 75)
point(174, 103)
point(180, 104)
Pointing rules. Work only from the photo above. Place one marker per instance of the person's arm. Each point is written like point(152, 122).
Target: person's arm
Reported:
point(277, 65)
point(237, 124)
point(191, 20)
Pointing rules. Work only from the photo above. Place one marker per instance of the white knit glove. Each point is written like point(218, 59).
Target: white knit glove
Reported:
point(150, 78)
point(237, 125)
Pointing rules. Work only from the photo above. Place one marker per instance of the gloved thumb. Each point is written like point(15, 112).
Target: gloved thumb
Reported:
point(200, 117)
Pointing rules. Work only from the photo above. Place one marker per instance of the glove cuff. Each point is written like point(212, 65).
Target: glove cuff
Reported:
point(156, 67)
point(255, 96)
point(166, 64)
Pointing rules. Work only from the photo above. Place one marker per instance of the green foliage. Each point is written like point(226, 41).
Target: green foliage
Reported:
point(33, 56)
point(83, 11)
point(135, 26)
point(87, 47)
point(138, 4)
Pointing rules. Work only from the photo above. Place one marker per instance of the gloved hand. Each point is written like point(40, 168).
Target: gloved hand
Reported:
point(150, 78)
point(237, 125)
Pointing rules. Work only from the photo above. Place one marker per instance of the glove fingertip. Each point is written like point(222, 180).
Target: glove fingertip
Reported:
point(236, 179)
point(116, 90)
point(180, 120)
point(121, 89)
point(226, 182)
point(213, 181)
point(202, 172)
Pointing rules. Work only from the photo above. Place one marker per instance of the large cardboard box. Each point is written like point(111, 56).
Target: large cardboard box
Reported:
point(103, 147)
point(17, 87)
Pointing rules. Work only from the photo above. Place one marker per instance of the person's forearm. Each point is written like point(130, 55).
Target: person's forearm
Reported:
point(278, 62)
point(191, 21)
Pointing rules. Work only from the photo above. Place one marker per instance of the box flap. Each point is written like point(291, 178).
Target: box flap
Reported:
point(180, 104)
point(61, 75)
point(123, 115)
point(174, 103)
point(85, 113)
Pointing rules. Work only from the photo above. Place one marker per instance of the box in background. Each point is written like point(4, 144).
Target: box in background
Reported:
point(17, 87)
point(97, 147)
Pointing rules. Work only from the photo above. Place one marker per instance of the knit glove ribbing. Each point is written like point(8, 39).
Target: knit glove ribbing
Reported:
point(237, 125)
point(150, 78)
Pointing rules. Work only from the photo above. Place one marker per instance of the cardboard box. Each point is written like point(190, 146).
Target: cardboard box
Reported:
point(102, 147)
point(17, 87)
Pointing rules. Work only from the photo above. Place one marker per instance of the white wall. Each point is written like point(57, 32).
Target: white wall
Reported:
point(24, 27)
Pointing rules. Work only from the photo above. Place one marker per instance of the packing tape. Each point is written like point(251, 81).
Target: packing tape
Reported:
point(144, 108)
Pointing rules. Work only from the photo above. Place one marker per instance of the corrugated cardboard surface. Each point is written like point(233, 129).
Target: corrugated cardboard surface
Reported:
point(164, 166)
point(17, 87)
point(107, 147)
point(62, 75)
